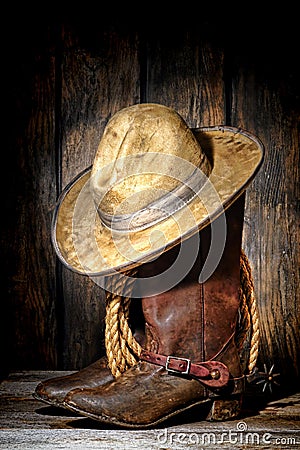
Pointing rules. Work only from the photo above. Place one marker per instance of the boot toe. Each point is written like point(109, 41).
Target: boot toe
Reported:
point(49, 393)
point(93, 403)
point(54, 390)
point(80, 401)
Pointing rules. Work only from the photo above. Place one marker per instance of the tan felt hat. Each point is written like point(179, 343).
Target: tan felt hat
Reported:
point(154, 183)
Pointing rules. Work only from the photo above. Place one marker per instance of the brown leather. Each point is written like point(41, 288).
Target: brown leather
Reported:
point(193, 321)
point(212, 374)
point(53, 391)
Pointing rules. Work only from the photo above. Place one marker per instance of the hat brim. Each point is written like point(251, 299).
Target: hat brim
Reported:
point(86, 246)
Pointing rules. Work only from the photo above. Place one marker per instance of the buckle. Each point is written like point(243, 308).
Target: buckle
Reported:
point(183, 372)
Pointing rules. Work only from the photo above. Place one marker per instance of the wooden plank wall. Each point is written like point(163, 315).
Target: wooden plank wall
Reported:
point(66, 81)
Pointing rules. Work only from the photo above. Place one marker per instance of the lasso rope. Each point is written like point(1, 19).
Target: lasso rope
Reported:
point(123, 350)
point(247, 287)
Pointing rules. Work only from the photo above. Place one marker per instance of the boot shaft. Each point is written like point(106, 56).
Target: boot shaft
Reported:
point(197, 320)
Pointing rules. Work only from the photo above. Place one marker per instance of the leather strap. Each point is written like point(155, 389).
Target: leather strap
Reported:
point(158, 210)
point(212, 374)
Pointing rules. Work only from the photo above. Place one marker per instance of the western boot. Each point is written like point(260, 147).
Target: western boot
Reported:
point(190, 357)
point(53, 391)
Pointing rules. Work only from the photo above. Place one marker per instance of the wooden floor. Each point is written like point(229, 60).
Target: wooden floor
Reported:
point(26, 423)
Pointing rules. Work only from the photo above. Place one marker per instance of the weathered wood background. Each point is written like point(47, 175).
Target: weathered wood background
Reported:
point(65, 81)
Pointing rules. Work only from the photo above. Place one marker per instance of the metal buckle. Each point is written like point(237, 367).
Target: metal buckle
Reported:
point(185, 372)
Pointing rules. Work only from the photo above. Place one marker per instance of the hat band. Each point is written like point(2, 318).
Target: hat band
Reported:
point(158, 210)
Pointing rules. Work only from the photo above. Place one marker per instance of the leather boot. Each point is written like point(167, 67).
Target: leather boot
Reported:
point(53, 391)
point(190, 357)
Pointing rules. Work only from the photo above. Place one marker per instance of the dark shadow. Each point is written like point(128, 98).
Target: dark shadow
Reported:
point(90, 424)
point(56, 411)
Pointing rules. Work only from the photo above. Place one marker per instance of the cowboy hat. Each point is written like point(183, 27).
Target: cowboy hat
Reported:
point(154, 182)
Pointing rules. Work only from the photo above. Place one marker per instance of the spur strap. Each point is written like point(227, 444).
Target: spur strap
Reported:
point(212, 374)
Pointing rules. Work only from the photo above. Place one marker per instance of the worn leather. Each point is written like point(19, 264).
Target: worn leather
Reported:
point(212, 374)
point(192, 320)
point(53, 391)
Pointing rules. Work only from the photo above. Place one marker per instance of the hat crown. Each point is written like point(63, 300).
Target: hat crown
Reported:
point(137, 158)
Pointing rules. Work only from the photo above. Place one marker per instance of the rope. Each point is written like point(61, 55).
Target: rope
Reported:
point(123, 350)
point(247, 287)
point(243, 323)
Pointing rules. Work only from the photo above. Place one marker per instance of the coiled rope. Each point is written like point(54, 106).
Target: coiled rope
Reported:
point(123, 350)
point(248, 309)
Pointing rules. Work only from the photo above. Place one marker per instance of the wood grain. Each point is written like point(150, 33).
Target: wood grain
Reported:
point(263, 103)
point(29, 322)
point(185, 71)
